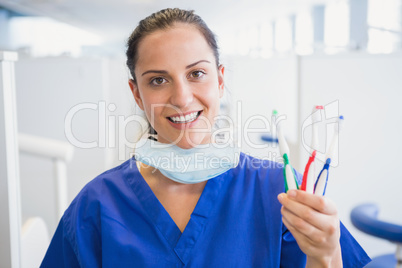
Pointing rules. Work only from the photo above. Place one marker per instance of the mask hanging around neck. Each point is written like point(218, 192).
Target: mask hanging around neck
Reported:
point(187, 166)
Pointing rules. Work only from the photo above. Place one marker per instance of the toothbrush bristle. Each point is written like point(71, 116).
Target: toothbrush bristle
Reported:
point(274, 112)
point(319, 107)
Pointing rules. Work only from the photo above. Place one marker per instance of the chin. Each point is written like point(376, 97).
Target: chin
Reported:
point(189, 141)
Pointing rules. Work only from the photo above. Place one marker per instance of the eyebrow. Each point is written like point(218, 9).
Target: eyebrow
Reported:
point(165, 72)
point(195, 63)
point(155, 71)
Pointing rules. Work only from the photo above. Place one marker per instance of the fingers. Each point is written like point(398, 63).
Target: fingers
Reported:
point(312, 224)
point(312, 241)
point(302, 215)
point(304, 237)
point(297, 225)
point(313, 221)
point(319, 203)
point(305, 212)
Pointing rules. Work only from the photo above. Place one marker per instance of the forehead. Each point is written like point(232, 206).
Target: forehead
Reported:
point(181, 44)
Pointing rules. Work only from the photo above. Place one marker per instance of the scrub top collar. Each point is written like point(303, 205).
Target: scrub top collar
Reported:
point(181, 243)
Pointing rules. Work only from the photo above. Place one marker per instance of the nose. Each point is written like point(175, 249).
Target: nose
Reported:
point(182, 94)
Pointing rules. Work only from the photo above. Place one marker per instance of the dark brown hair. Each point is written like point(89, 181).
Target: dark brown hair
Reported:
point(162, 20)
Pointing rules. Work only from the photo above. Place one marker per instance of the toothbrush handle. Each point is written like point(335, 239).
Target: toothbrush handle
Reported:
point(290, 178)
point(307, 172)
point(311, 179)
point(321, 184)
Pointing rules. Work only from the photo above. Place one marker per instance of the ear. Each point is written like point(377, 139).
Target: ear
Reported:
point(221, 80)
point(136, 93)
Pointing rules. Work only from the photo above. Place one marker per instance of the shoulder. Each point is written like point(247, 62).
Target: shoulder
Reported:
point(250, 165)
point(112, 177)
point(83, 222)
point(105, 186)
point(256, 172)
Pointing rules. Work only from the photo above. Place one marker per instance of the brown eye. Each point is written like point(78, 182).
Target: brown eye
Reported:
point(197, 74)
point(158, 81)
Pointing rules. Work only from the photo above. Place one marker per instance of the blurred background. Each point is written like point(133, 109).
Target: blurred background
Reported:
point(71, 89)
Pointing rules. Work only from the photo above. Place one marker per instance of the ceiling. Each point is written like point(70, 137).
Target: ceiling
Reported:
point(114, 20)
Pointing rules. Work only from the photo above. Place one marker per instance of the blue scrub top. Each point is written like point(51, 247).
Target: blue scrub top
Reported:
point(117, 221)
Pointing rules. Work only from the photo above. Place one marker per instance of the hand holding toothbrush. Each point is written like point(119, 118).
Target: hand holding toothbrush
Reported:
point(312, 219)
point(324, 208)
point(314, 223)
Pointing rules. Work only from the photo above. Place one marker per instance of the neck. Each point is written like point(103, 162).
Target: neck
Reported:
point(187, 143)
point(156, 180)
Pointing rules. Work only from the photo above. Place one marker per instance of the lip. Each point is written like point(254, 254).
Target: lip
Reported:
point(184, 125)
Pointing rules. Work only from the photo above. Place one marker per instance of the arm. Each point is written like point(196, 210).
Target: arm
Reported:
point(313, 221)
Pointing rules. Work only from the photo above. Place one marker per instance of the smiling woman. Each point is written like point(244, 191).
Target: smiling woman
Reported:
point(185, 200)
point(174, 61)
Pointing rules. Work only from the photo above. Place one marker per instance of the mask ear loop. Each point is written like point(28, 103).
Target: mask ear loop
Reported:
point(220, 137)
point(152, 134)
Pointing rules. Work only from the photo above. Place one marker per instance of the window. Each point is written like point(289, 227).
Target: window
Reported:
point(384, 20)
point(304, 33)
point(267, 41)
point(46, 37)
point(336, 29)
point(283, 35)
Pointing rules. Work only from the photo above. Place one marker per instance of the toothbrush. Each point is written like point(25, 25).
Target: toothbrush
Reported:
point(321, 184)
point(309, 172)
point(288, 173)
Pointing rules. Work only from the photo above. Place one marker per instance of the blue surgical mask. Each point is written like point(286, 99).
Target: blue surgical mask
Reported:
point(187, 166)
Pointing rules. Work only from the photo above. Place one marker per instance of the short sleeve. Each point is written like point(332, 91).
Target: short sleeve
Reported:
point(291, 255)
point(77, 241)
point(353, 255)
point(60, 252)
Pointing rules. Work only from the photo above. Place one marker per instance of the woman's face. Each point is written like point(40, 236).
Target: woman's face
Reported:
point(178, 85)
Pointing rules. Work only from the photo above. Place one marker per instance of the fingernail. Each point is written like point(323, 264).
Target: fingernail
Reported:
point(280, 197)
point(292, 193)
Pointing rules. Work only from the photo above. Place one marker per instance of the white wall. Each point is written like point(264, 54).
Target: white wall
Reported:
point(257, 87)
point(126, 129)
point(46, 90)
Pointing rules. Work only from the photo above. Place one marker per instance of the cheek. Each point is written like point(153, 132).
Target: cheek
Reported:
point(153, 104)
point(212, 98)
point(154, 115)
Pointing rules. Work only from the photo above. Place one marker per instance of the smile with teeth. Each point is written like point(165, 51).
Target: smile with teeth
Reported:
point(185, 118)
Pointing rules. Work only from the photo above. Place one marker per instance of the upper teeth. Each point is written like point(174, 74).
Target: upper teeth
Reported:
point(184, 119)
